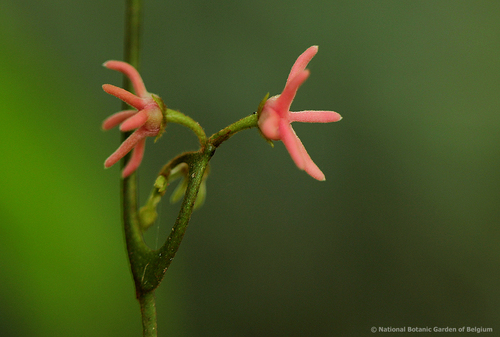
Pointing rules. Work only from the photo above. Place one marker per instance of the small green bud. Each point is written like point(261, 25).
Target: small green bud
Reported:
point(161, 183)
point(179, 191)
point(147, 215)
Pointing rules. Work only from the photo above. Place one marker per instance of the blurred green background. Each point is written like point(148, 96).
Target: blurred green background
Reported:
point(404, 232)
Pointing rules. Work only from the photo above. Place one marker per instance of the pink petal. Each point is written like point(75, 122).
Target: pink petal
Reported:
point(302, 62)
point(283, 102)
point(125, 96)
point(311, 168)
point(131, 73)
point(117, 118)
point(298, 152)
point(135, 159)
point(124, 148)
point(314, 171)
point(135, 122)
point(313, 116)
point(292, 143)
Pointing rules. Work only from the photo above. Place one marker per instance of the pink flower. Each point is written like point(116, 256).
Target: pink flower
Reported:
point(275, 118)
point(147, 119)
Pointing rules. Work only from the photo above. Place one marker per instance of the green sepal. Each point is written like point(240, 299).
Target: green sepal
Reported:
point(261, 104)
point(163, 108)
point(270, 142)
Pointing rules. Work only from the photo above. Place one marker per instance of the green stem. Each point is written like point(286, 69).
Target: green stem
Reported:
point(152, 272)
point(174, 116)
point(197, 163)
point(149, 266)
point(133, 236)
point(245, 123)
point(148, 310)
point(148, 213)
point(136, 248)
point(133, 30)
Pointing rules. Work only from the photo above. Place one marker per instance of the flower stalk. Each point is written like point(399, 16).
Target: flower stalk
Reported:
point(173, 116)
point(245, 123)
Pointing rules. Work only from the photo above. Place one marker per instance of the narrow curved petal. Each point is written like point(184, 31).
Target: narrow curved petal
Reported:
point(302, 62)
point(283, 102)
point(124, 148)
point(135, 122)
point(299, 153)
point(292, 144)
point(125, 96)
point(135, 159)
point(131, 73)
point(311, 168)
point(117, 118)
point(314, 116)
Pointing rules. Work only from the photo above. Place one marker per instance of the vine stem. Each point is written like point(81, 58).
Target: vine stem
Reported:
point(245, 123)
point(133, 238)
point(149, 266)
point(148, 311)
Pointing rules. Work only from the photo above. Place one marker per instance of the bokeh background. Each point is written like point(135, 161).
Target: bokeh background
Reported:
point(404, 232)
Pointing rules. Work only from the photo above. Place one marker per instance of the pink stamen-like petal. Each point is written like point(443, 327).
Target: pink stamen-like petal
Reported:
point(289, 138)
point(131, 73)
point(124, 148)
point(117, 118)
point(284, 100)
point(298, 152)
point(135, 122)
point(135, 159)
point(125, 96)
point(302, 62)
point(314, 116)
point(310, 167)
point(313, 170)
